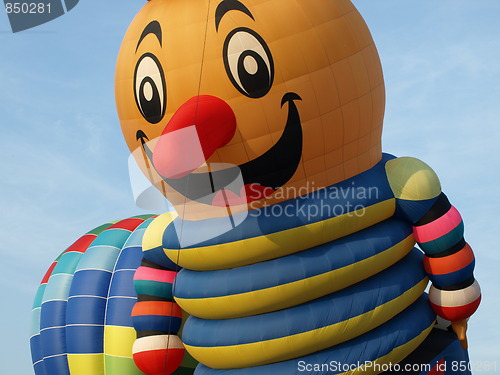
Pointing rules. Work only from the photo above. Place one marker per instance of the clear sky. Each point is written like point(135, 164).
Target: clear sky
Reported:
point(63, 162)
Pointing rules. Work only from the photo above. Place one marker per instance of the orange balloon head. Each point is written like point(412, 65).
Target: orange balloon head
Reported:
point(245, 103)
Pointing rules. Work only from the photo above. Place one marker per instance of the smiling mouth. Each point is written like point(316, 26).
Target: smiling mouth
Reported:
point(261, 176)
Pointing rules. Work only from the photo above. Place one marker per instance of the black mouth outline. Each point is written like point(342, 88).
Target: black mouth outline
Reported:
point(272, 169)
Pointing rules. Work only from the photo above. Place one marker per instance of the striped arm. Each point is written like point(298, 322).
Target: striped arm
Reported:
point(449, 261)
point(157, 320)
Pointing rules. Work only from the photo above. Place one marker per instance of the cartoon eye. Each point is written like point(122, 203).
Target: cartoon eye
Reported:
point(248, 62)
point(149, 88)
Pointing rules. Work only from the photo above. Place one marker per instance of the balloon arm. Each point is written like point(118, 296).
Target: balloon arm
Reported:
point(156, 319)
point(449, 263)
point(438, 229)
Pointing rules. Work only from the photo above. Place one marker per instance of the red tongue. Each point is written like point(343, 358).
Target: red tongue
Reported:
point(248, 193)
point(197, 129)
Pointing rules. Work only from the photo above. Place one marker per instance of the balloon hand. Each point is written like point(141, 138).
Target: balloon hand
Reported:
point(460, 329)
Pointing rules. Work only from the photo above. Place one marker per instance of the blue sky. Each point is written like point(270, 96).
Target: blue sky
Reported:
point(64, 163)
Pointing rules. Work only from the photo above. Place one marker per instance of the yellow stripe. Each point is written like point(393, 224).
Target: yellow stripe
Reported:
point(293, 346)
point(275, 245)
point(86, 364)
point(297, 292)
point(121, 366)
point(394, 356)
point(118, 341)
point(154, 232)
point(412, 179)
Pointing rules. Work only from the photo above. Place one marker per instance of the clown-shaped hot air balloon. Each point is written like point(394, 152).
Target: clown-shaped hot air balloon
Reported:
point(261, 121)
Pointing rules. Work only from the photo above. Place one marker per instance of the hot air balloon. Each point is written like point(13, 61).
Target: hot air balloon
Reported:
point(261, 122)
point(86, 308)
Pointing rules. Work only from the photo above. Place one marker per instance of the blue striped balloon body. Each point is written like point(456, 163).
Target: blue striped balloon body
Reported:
point(279, 288)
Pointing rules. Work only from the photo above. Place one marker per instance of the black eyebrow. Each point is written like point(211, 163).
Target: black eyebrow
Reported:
point(152, 28)
point(227, 5)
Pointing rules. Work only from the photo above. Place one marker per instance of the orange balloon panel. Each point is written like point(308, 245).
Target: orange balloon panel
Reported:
point(299, 92)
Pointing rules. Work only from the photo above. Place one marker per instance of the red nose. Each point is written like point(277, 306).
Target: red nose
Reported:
point(197, 129)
